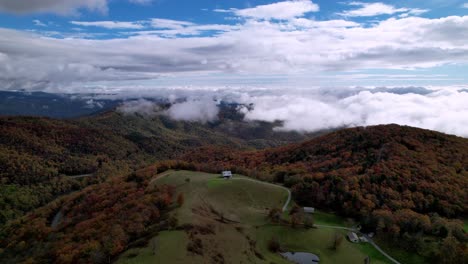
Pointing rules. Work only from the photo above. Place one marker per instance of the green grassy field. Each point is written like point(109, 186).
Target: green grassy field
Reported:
point(317, 241)
point(401, 255)
point(330, 219)
point(229, 221)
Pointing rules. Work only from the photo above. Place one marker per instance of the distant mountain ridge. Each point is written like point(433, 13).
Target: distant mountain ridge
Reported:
point(14, 103)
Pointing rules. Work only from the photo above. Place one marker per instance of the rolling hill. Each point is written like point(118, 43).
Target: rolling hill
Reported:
point(139, 218)
point(408, 184)
point(383, 161)
point(38, 153)
point(227, 219)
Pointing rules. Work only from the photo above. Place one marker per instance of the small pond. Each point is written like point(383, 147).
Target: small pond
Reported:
point(301, 257)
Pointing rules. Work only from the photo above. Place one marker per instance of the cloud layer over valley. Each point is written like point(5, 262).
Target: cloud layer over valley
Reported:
point(193, 110)
point(442, 109)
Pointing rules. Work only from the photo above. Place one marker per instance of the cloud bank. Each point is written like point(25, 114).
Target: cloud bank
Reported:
point(444, 111)
point(441, 109)
point(377, 9)
point(192, 110)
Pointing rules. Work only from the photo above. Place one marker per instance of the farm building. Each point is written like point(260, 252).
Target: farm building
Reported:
point(353, 237)
point(227, 174)
point(309, 210)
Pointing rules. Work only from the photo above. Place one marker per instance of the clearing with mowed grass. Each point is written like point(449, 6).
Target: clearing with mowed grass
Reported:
point(226, 221)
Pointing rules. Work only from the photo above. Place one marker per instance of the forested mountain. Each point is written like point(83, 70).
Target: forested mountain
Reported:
point(92, 225)
point(37, 154)
point(393, 159)
point(409, 184)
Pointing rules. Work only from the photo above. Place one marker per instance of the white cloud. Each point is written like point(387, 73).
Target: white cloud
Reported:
point(308, 23)
point(193, 110)
point(39, 23)
point(109, 24)
point(444, 111)
point(199, 110)
point(417, 11)
point(157, 26)
point(279, 10)
point(377, 9)
point(191, 30)
point(169, 23)
point(465, 5)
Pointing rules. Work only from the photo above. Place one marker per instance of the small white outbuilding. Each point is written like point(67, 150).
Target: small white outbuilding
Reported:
point(227, 175)
point(309, 210)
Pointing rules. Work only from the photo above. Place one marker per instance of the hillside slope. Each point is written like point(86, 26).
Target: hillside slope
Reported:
point(384, 161)
point(229, 129)
point(225, 221)
point(37, 154)
point(408, 184)
point(87, 226)
point(138, 219)
point(402, 167)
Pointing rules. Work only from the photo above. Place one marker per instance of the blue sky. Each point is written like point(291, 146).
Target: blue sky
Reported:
point(105, 20)
point(197, 11)
point(313, 64)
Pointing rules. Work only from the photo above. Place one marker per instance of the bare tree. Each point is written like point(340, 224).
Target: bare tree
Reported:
point(296, 219)
point(274, 215)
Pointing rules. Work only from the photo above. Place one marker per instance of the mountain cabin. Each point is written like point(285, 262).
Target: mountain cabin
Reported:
point(227, 175)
